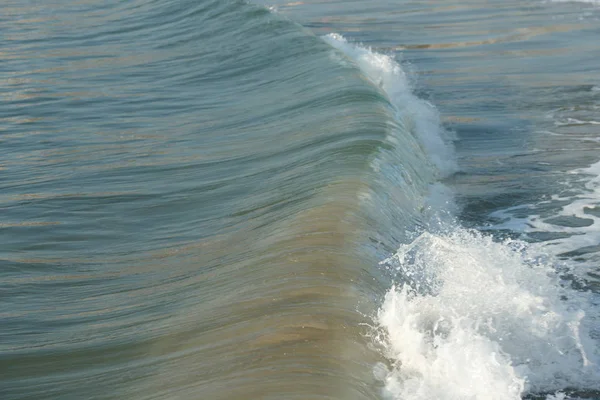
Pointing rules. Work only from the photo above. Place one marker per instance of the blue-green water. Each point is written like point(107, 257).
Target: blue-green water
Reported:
point(299, 200)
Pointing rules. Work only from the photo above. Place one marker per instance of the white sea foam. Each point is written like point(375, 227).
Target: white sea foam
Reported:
point(575, 206)
point(417, 115)
point(477, 319)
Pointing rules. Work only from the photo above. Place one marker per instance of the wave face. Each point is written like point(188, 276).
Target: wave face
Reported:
point(197, 198)
point(191, 195)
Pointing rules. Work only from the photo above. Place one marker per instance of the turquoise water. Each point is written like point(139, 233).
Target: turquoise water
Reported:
point(299, 200)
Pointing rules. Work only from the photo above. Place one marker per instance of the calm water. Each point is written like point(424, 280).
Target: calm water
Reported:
point(300, 200)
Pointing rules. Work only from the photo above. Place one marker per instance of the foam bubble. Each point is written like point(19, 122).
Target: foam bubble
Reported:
point(478, 319)
point(417, 115)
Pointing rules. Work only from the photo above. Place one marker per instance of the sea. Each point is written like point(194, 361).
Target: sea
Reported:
point(285, 200)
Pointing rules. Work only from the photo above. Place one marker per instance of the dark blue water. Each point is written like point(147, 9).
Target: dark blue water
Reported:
point(213, 199)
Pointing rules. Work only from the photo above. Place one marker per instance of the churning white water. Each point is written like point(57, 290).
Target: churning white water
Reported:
point(478, 319)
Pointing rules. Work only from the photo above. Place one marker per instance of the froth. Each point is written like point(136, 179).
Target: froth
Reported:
point(417, 115)
point(477, 319)
point(583, 208)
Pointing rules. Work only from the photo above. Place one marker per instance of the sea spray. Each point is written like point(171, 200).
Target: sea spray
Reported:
point(479, 319)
